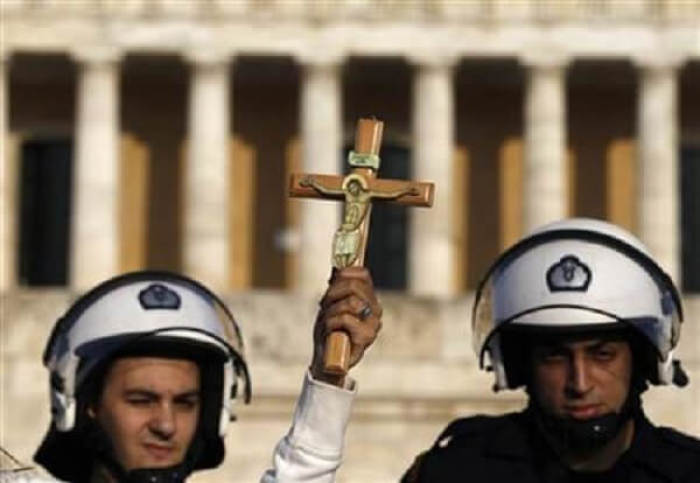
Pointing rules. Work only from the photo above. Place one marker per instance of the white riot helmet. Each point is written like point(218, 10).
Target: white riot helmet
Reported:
point(577, 275)
point(150, 314)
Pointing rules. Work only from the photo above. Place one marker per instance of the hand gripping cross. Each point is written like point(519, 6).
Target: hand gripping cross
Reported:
point(358, 190)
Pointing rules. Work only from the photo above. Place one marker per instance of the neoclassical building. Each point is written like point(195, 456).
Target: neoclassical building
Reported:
point(161, 134)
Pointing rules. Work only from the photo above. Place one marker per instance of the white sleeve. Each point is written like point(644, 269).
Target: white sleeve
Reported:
point(28, 476)
point(313, 449)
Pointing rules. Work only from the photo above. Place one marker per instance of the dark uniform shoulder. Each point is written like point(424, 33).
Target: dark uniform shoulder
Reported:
point(460, 444)
point(678, 439)
point(671, 453)
point(473, 428)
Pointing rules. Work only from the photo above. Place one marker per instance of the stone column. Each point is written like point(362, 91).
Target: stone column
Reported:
point(431, 243)
point(94, 221)
point(658, 188)
point(206, 231)
point(8, 182)
point(321, 133)
point(545, 176)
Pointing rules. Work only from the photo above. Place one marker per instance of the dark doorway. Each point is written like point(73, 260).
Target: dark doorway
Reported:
point(45, 200)
point(690, 218)
point(387, 244)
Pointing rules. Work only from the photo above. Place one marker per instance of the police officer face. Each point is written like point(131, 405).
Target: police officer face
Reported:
point(581, 379)
point(149, 408)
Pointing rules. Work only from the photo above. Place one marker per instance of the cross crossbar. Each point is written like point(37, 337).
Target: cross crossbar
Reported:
point(358, 190)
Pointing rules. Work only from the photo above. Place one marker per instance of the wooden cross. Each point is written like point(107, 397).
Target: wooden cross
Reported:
point(358, 189)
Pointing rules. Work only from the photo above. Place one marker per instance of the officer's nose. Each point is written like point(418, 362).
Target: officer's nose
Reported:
point(163, 421)
point(579, 380)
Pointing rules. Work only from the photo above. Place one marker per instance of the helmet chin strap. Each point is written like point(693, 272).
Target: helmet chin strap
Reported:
point(172, 474)
point(567, 435)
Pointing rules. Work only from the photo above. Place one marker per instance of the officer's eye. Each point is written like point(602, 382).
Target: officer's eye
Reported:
point(139, 401)
point(140, 398)
point(604, 353)
point(552, 355)
point(187, 404)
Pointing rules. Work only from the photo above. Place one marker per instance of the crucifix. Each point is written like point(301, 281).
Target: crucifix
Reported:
point(358, 190)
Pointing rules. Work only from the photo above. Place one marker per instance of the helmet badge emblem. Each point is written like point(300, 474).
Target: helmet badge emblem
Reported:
point(568, 275)
point(158, 296)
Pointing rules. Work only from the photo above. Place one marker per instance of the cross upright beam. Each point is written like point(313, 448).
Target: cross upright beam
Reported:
point(358, 190)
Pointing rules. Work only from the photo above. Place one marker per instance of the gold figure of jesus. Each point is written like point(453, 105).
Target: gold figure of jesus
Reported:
point(358, 196)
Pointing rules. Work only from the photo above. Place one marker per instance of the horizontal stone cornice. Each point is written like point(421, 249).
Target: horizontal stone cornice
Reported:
point(320, 57)
point(97, 54)
point(545, 58)
point(437, 59)
point(208, 57)
point(304, 42)
point(659, 61)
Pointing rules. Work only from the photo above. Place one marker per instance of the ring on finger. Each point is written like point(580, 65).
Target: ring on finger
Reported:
point(365, 312)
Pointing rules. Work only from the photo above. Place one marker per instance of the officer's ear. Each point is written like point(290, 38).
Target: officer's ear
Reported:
point(90, 392)
point(92, 402)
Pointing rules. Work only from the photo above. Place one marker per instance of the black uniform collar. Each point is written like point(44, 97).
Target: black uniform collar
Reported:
point(642, 450)
point(520, 440)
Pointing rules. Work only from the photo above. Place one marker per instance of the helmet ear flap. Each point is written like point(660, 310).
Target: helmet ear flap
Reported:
point(496, 362)
point(64, 403)
point(235, 373)
point(228, 397)
point(63, 410)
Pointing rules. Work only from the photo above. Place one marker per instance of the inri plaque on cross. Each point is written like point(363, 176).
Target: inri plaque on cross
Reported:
point(358, 190)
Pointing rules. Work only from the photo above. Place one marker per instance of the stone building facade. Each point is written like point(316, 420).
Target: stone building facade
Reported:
point(161, 133)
